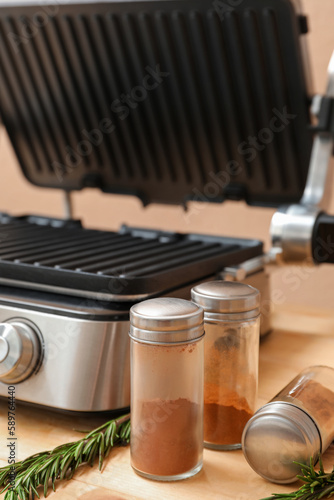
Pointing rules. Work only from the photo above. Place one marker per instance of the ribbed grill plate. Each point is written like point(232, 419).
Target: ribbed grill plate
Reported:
point(132, 262)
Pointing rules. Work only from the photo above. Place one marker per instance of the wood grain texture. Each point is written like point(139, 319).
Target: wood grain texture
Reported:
point(225, 475)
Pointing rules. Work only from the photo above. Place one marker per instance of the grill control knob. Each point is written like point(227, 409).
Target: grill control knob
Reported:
point(19, 351)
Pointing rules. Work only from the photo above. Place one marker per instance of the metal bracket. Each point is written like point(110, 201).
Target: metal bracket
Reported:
point(292, 226)
point(254, 272)
point(242, 271)
point(68, 205)
point(323, 108)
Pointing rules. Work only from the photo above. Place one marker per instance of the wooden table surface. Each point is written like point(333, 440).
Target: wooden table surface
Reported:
point(301, 338)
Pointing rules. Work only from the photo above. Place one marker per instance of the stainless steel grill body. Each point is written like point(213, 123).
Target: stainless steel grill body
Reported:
point(84, 364)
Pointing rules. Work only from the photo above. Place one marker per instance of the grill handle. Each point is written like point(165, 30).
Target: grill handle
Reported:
point(323, 239)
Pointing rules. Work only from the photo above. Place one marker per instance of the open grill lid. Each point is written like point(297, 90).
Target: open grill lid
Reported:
point(170, 101)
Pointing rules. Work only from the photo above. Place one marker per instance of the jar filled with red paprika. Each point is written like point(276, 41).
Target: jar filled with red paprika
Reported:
point(232, 333)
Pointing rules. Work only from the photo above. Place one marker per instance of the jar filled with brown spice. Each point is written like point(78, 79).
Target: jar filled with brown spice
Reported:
point(167, 372)
point(294, 426)
point(232, 333)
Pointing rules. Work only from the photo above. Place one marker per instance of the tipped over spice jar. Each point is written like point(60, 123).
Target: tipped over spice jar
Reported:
point(294, 426)
point(232, 333)
point(167, 372)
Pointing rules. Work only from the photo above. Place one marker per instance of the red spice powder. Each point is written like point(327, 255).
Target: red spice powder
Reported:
point(169, 439)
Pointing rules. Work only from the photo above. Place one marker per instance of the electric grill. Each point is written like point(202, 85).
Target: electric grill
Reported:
point(170, 101)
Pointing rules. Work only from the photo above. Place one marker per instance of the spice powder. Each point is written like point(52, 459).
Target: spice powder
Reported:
point(169, 438)
point(224, 423)
point(225, 411)
point(318, 401)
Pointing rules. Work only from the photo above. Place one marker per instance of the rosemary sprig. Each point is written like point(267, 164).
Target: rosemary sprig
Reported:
point(317, 485)
point(63, 461)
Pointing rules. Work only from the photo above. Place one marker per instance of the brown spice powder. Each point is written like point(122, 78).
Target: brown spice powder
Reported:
point(169, 441)
point(224, 420)
point(319, 402)
point(224, 424)
point(225, 411)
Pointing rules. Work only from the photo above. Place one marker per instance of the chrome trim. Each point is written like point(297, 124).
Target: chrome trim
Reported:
point(291, 230)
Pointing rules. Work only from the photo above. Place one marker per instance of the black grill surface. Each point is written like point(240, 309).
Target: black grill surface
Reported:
point(38, 252)
point(232, 71)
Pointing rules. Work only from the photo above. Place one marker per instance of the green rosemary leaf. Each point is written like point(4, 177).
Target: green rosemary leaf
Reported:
point(101, 452)
point(3, 491)
point(3, 473)
point(45, 465)
point(65, 464)
point(27, 477)
point(63, 448)
point(92, 454)
point(33, 489)
point(128, 431)
point(110, 435)
point(71, 474)
point(328, 491)
point(55, 467)
point(22, 493)
point(304, 478)
point(46, 480)
point(102, 427)
point(88, 446)
point(78, 451)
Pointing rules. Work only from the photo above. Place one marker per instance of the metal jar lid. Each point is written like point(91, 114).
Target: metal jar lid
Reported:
point(278, 435)
point(227, 297)
point(166, 320)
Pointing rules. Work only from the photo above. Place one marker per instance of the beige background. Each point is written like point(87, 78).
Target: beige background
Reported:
point(313, 287)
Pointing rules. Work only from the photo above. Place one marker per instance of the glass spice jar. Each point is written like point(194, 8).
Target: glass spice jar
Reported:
point(294, 426)
point(167, 358)
point(232, 333)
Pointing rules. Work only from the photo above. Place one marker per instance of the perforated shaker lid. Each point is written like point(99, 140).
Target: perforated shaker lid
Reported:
point(166, 320)
point(226, 297)
point(278, 435)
